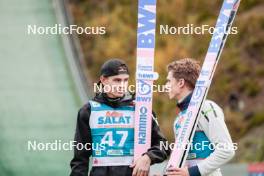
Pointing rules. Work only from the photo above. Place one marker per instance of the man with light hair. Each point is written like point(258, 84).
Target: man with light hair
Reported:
point(212, 145)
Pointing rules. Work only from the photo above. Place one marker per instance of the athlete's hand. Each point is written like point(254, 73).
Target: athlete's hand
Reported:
point(177, 172)
point(141, 166)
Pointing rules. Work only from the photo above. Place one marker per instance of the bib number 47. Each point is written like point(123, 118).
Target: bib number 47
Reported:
point(109, 140)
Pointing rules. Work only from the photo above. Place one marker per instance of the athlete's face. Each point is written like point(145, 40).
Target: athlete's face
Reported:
point(115, 86)
point(175, 86)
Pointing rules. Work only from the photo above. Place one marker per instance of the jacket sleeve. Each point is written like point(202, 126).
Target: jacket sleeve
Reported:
point(80, 162)
point(157, 152)
point(213, 124)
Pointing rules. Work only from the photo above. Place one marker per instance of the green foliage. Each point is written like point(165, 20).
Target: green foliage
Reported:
point(257, 119)
point(251, 88)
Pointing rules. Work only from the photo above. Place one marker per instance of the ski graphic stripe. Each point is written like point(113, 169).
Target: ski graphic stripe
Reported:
point(144, 75)
point(148, 53)
point(186, 132)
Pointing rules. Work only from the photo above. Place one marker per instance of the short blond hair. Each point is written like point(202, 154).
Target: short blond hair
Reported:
point(187, 69)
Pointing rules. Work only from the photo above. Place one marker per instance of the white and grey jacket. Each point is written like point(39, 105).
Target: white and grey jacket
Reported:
point(214, 146)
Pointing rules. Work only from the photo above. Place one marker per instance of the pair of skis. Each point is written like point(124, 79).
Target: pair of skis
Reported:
point(145, 77)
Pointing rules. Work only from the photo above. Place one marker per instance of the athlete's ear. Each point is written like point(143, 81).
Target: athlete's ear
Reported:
point(103, 79)
point(181, 82)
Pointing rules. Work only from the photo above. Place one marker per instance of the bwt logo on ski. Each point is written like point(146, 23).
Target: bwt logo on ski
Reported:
point(221, 26)
point(143, 99)
point(114, 118)
point(200, 82)
point(143, 87)
point(144, 90)
point(198, 92)
point(146, 24)
point(142, 125)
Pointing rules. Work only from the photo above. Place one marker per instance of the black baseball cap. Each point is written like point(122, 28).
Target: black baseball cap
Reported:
point(114, 67)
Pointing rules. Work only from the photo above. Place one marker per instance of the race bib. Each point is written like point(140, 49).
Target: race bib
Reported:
point(112, 132)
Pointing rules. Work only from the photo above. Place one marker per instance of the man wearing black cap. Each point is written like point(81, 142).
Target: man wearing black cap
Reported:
point(107, 122)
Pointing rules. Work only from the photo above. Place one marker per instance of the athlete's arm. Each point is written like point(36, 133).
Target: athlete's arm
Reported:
point(154, 155)
point(80, 162)
point(213, 124)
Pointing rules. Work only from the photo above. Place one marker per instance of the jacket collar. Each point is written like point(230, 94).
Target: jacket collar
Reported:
point(126, 100)
point(183, 104)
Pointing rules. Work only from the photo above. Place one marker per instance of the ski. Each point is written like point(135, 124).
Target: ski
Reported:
point(145, 75)
point(186, 131)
